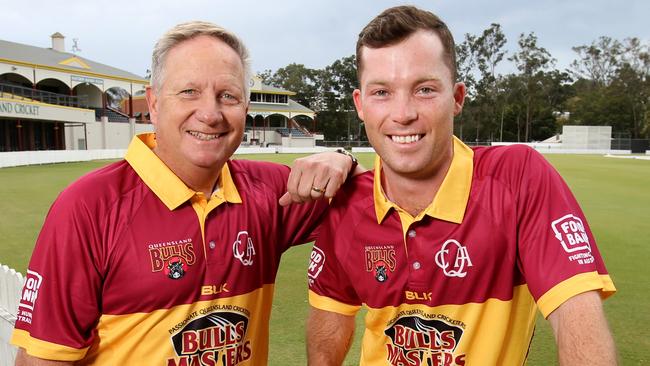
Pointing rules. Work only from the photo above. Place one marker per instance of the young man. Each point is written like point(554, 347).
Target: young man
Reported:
point(169, 257)
point(450, 248)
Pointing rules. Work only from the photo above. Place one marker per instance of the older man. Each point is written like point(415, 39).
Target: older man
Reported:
point(169, 257)
point(450, 248)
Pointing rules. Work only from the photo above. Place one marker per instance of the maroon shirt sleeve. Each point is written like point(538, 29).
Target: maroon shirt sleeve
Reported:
point(60, 303)
point(296, 223)
point(326, 274)
point(554, 239)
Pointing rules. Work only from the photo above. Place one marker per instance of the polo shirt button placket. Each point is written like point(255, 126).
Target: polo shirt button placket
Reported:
point(212, 244)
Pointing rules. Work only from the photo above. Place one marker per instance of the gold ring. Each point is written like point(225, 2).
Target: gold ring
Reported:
point(315, 189)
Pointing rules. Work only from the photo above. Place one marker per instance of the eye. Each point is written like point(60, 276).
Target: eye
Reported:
point(426, 90)
point(188, 92)
point(380, 93)
point(229, 98)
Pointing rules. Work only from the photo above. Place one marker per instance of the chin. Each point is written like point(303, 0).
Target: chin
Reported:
point(207, 162)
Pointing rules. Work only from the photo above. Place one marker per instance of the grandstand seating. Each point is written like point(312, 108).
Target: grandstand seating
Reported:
point(113, 116)
point(294, 132)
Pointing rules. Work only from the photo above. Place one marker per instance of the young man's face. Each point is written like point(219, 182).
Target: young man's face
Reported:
point(200, 109)
point(408, 101)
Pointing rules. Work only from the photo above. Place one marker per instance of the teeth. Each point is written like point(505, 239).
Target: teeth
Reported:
point(203, 136)
point(405, 139)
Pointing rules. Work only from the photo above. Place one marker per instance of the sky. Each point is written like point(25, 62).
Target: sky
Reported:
point(315, 33)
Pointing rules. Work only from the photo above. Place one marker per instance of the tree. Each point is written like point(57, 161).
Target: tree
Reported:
point(298, 79)
point(531, 60)
point(598, 62)
point(614, 88)
point(337, 82)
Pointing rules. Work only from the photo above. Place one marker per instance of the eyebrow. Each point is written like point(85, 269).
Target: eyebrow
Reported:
point(381, 82)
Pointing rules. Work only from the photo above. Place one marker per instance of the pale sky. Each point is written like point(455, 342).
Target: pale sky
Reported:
point(121, 33)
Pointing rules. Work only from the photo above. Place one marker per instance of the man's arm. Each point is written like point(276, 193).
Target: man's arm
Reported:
point(329, 336)
point(318, 176)
point(581, 332)
point(23, 359)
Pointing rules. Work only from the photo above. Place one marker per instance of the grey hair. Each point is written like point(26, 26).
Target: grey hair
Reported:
point(186, 31)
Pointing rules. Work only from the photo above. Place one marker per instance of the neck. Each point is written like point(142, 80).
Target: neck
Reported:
point(414, 194)
point(198, 179)
point(201, 180)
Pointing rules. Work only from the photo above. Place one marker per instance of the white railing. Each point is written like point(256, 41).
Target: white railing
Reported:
point(19, 158)
point(11, 285)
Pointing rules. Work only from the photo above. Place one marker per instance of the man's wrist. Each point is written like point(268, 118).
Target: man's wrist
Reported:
point(355, 162)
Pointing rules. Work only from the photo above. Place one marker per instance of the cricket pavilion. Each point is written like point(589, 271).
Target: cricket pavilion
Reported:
point(51, 99)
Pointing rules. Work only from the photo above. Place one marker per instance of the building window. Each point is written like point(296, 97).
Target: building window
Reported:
point(256, 97)
point(269, 98)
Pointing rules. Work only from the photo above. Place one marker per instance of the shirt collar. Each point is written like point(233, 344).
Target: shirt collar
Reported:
point(450, 201)
point(164, 183)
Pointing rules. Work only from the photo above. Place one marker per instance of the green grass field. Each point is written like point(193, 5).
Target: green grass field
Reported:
point(614, 193)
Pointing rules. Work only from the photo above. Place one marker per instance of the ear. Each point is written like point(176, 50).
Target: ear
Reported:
point(152, 104)
point(459, 97)
point(358, 104)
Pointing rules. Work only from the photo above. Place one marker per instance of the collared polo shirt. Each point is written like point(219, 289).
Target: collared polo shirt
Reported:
point(132, 267)
point(460, 282)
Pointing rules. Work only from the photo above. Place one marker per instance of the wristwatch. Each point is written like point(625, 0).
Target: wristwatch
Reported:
point(355, 162)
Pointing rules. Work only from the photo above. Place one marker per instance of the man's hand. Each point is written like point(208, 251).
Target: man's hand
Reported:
point(316, 176)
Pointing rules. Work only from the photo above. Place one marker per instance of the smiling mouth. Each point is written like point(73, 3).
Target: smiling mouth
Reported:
point(408, 139)
point(205, 136)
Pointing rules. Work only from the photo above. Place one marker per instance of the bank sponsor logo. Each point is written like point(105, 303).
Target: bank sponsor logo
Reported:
point(424, 339)
point(27, 302)
point(380, 261)
point(173, 258)
point(316, 263)
point(243, 248)
point(570, 231)
point(453, 258)
point(213, 336)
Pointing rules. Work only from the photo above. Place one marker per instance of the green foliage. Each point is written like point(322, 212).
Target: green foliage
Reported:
point(607, 84)
point(613, 86)
point(327, 91)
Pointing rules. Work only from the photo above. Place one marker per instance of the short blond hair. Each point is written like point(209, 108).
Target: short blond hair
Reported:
point(186, 31)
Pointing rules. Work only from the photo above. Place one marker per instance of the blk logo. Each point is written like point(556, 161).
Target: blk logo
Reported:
point(456, 253)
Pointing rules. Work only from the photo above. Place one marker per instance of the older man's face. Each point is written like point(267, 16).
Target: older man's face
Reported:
point(200, 109)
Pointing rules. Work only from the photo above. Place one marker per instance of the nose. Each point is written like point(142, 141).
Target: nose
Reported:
point(208, 110)
point(403, 109)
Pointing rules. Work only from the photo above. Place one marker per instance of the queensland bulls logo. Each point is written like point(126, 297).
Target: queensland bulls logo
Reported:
point(424, 341)
point(243, 248)
point(173, 258)
point(175, 268)
point(380, 260)
point(380, 272)
point(217, 338)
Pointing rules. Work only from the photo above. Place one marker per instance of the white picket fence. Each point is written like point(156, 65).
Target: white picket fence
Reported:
point(11, 285)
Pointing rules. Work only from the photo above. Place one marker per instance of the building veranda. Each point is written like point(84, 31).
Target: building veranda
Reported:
point(51, 99)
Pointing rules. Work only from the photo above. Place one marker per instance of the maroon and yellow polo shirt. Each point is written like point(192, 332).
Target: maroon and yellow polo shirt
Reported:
point(459, 283)
point(134, 268)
